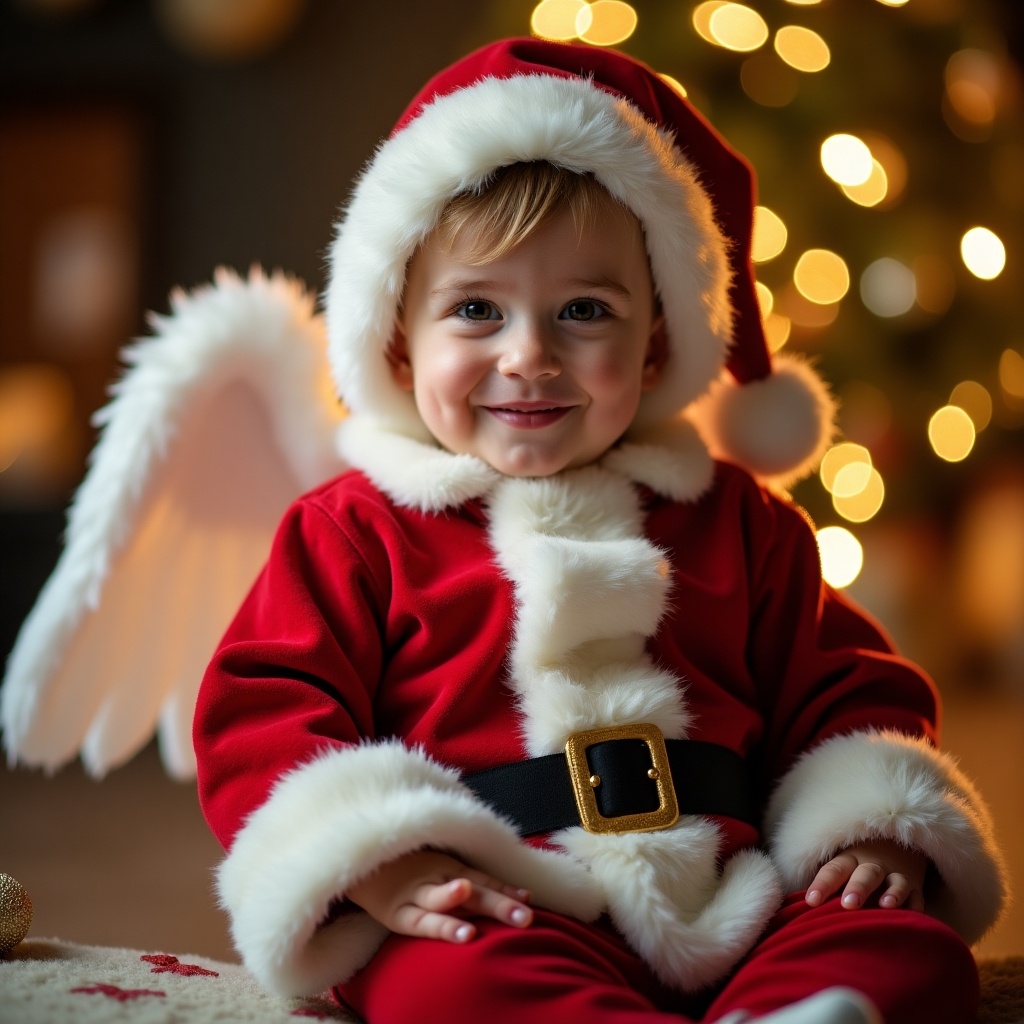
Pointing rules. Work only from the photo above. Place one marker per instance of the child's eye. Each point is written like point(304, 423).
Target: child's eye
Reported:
point(583, 309)
point(478, 310)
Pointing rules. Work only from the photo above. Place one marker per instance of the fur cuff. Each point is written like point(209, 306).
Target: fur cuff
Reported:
point(332, 822)
point(884, 785)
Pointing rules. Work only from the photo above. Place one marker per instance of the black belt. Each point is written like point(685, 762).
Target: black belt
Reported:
point(617, 784)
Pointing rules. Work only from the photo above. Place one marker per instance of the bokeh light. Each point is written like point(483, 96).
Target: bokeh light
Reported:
point(1011, 373)
point(802, 48)
point(842, 556)
point(821, 276)
point(777, 329)
point(975, 400)
point(770, 235)
point(872, 191)
point(675, 83)
point(972, 85)
point(846, 159)
point(888, 288)
point(701, 18)
point(865, 503)
point(765, 299)
point(837, 458)
point(983, 253)
point(737, 27)
point(951, 433)
point(558, 19)
point(611, 22)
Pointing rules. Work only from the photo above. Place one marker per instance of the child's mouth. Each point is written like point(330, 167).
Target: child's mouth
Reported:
point(528, 415)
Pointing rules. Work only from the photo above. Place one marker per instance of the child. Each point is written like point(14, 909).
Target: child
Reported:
point(540, 712)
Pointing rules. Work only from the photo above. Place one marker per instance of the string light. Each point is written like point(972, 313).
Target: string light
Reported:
point(558, 19)
point(871, 191)
point(802, 48)
point(611, 22)
point(675, 83)
point(764, 298)
point(821, 276)
point(863, 504)
point(837, 458)
point(701, 18)
point(776, 330)
point(842, 556)
point(737, 27)
point(770, 235)
point(846, 159)
point(951, 433)
point(983, 253)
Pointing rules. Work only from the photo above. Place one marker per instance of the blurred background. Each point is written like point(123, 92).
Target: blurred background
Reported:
point(142, 144)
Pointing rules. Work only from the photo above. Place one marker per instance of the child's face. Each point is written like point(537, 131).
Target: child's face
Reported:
point(536, 361)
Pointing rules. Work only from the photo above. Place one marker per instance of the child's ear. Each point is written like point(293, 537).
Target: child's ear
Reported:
point(397, 355)
point(657, 354)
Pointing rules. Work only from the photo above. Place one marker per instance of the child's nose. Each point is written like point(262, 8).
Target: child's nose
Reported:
point(530, 353)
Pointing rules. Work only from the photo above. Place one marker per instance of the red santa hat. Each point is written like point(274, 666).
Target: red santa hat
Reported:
point(592, 111)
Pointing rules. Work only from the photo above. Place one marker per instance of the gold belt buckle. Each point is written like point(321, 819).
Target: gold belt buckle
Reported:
point(584, 783)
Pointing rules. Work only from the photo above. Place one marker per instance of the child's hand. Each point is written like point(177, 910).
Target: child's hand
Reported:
point(429, 894)
point(865, 869)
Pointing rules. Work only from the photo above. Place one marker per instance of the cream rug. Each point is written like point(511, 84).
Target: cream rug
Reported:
point(48, 981)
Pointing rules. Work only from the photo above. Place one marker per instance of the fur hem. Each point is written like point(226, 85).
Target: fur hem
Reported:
point(332, 822)
point(884, 785)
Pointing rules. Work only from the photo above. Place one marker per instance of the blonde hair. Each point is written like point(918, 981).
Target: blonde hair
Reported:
point(513, 203)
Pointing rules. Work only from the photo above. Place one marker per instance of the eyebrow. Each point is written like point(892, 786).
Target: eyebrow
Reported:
point(483, 285)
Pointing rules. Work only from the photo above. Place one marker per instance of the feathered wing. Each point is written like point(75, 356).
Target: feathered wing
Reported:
point(223, 417)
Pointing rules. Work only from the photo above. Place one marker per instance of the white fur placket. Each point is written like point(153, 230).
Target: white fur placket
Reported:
point(589, 590)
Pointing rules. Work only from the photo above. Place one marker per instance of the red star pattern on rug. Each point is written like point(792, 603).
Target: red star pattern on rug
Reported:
point(122, 995)
point(165, 963)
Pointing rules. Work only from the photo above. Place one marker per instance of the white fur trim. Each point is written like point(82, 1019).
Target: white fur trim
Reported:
point(412, 472)
point(590, 588)
point(62, 690)
point(883, 785)
point(332, 822)
point(777, 428)
point(454, 145)
point(671, 459)
point(690, 922)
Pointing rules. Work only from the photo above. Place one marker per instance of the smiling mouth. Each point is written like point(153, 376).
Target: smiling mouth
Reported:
point(528, 415)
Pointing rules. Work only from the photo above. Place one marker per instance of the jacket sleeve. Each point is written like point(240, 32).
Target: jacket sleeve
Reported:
point(298, 787)
point(851, 739)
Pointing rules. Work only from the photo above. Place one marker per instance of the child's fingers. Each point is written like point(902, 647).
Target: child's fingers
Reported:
point(488, 902)
point(831, 877)
point(428, 924)
point(901, 893)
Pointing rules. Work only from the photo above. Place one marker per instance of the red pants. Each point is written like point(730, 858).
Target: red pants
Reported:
point(560, 971)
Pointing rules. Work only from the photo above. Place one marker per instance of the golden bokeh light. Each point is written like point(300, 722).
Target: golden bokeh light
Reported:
point(872, 191)
point(737, 27)
point(765, 299)
point(675, 83)
point(776, 330)
point(972, 85)
point(701, 18)
point(842, 556)
point(865, 503)
point(851, 480)
point(975, 400)
point(838, 458)
point(803, 312)
point(846, 159)
point(821, 276)
point(802, 48)
point(893, 3)
point(1011, 373)
point(951, 433)
point(983, 253)
point(611, 22)
point(770, 235)
point(893, 162)
point(36, 406)
point(558, 19)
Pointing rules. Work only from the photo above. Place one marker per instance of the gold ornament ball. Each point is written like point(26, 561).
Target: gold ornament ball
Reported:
point(15, 913)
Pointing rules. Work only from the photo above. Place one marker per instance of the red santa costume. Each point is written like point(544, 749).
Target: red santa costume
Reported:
point(422, 619)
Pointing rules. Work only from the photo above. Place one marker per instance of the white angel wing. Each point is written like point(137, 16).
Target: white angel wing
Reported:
point(223, 417)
